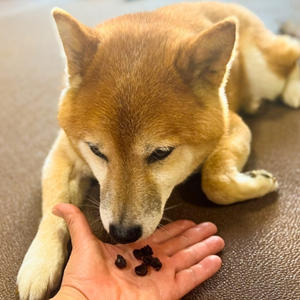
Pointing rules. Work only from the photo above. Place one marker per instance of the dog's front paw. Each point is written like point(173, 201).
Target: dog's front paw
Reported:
point(41, 269)
point(264, 181)
point(236, 187)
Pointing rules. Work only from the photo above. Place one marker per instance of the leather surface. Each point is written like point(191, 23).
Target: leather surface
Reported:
point(261, 257)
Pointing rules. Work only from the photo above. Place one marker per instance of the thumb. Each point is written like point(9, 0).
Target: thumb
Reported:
point(77, 224)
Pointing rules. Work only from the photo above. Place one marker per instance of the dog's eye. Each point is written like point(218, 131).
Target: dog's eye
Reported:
point(159, 154)
point(97, 152)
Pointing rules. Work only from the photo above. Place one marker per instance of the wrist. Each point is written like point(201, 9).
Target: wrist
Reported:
point(69, 293)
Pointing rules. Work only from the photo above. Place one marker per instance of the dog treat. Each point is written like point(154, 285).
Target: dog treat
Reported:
point(156, 263)
point(147, 260)
point(141, 270)
point(147, 250)
point(120, 262)
point(145, 254)
point(138, 254)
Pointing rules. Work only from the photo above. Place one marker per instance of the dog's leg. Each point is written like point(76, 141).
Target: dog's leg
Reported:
point(291, 93)
point(272, 70)
point(42, 265)
point(222, 179)
point(286, 62)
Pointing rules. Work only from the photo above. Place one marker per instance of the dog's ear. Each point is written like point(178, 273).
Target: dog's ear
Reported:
point(79, 42)
point(202, 60)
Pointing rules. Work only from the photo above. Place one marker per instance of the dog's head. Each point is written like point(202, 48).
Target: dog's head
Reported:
point(143, 109)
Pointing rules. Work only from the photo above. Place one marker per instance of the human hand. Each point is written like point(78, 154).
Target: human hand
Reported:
point(184, 248)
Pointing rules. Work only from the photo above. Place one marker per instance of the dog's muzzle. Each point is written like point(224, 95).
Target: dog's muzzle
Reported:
point(125, 234)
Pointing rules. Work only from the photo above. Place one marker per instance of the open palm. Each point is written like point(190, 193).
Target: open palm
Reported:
point(185, 249)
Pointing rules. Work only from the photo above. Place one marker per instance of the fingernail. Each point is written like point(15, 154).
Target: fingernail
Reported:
point(207, 225)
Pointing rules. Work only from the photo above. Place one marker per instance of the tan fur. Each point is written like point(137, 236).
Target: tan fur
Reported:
point(174, 77)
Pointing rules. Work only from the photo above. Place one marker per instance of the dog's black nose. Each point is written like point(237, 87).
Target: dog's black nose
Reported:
point(125, 235)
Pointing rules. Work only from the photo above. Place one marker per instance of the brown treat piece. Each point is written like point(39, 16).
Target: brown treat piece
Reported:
point(147, 260)
point(141, 270)
point(156, 263)
point(138, 254)
point(120, 262)
point(147, 250)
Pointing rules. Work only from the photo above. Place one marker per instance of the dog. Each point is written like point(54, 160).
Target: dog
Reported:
point(150, 98)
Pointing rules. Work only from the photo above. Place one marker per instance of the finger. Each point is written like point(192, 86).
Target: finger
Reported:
point(170, 230)
point(77, 224)
point(197, 252)
point(189, 237)
point(188, 279)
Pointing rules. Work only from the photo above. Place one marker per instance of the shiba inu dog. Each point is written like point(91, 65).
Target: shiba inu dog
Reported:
point(150, 98)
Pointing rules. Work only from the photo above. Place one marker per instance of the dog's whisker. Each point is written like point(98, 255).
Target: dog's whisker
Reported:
point(167, 219)
point(94, 222)
point(92, 200)
point(89, 205)
point(172, 206)
point(93, 203)
point(162, 227)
